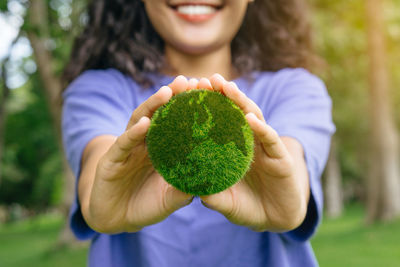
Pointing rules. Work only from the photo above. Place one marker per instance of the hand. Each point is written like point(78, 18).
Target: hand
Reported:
point(274, 193)
point(126, 193)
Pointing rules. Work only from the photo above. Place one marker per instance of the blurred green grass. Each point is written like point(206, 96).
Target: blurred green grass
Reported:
point(346, 241)
point(32, 243)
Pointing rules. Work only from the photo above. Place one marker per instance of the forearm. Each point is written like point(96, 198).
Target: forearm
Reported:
point(94, 150)
point(300, 167)
point(290, 194)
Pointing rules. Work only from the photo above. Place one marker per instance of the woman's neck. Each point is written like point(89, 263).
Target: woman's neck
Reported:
point(201, 65)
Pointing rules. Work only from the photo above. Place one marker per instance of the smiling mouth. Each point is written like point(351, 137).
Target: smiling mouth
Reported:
point(197, 12)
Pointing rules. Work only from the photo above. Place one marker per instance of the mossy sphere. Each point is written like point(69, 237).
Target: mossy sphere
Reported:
point(200, 142)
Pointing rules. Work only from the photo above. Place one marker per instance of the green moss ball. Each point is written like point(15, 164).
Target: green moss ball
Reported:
point(200, 142)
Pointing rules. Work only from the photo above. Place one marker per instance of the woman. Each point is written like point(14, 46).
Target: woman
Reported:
point(131, 49)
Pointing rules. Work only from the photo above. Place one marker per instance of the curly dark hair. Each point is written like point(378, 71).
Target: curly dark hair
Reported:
point(275, 34)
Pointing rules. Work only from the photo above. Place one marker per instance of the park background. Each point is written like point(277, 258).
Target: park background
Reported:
point(360, 43)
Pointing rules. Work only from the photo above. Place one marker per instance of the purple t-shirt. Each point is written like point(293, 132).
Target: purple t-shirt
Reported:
point(294, 102)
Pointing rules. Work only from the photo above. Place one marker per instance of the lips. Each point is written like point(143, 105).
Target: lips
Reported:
point(195, 12)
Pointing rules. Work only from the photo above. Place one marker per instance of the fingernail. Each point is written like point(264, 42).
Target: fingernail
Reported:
point(219, 76)
point(181, 77)
point(252, 115)
point(163, 88)
point(143, 119)
point(233, 84)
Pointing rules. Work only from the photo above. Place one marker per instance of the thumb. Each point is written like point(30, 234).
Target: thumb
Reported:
point(124, 144)
point(222, 202)
point(176, 199)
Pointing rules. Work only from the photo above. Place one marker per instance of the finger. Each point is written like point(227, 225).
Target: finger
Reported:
point(148, 107)
point(179, 85)
point(231, 201)
point(239, 204)
point(269, 138)
point(217, 82)
point(124, 144)
point(231, 90)
point(221, 202)
point(204, 83)
point(176, 199)
point(192, 84)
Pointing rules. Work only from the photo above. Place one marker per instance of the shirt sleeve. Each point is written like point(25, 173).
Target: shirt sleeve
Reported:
point(303, 111)
point(94, 104)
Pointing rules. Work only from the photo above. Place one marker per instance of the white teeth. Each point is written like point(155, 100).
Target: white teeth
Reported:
point(196, 10)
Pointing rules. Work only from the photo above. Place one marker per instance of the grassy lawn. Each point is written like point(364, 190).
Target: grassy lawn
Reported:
point(340, 242)
point(32, 243)
point(347, 241)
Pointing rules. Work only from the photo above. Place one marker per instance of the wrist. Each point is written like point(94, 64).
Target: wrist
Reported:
point(98, 218)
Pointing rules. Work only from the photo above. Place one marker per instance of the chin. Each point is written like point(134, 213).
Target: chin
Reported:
point(197, 48)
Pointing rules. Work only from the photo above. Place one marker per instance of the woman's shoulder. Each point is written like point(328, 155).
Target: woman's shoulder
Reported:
point(287, 76)
point(112, 78)
point(270, 89)
point(107, 83)
point(288, 81)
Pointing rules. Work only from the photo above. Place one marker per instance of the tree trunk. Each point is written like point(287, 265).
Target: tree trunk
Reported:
point(38, 19)
point(333, 190)
point(383, 186)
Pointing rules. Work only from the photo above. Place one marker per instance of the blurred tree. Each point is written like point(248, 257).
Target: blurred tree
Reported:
point(383, 198)
point(339, 32)
point(50, 27)
point(30, 146)
point(333, 192)
point(39, 34)
point(4, 93)
point(341, 29)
